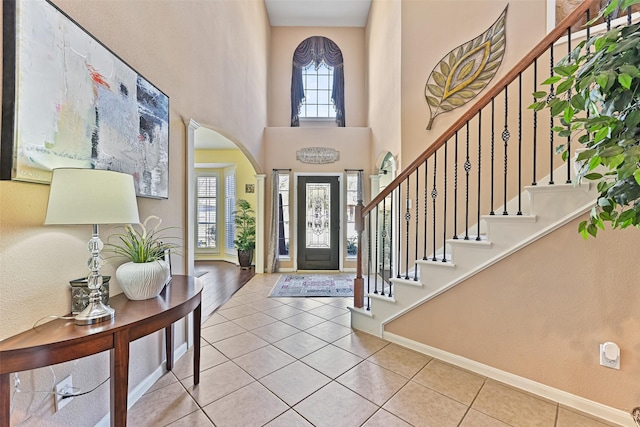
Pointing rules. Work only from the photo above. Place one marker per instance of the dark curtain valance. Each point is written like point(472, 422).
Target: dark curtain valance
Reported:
point(316, 50)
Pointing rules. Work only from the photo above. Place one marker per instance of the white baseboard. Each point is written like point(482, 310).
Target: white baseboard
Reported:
point(145, 385)
point(581, 404)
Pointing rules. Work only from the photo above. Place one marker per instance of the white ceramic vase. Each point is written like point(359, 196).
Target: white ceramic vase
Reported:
point(142, 280)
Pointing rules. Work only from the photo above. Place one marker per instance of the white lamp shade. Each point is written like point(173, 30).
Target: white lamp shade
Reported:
point(91, 196)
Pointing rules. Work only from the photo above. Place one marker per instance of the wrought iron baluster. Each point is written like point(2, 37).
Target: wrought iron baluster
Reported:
point(407, 218)
point(368, 260)
point(549, 99)
point(505, 139)
point(628, 16)
point(444, 208)
point(535, 121)
point(493, 140)
point(479, 169)
point(519, 144)
point(384, 240)
point(415, 266)
point(426, 183)
point(376, 266)
point(467, 169)
point(399, 229)
point(455, 189)
point(569, 165)
point(390, 241)
point(434, 195)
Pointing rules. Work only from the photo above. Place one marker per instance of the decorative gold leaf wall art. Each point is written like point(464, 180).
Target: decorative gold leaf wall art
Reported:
point(466, 70)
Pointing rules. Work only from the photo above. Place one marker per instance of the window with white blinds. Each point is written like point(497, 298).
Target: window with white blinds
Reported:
point(207, 211)
point(230, 206)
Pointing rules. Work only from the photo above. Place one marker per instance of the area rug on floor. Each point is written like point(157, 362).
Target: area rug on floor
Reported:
point(314, 285)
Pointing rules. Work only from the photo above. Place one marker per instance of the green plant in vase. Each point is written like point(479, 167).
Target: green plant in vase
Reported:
point(245, 241)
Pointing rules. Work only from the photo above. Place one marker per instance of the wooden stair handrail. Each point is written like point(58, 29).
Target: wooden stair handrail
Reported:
point(491, 93)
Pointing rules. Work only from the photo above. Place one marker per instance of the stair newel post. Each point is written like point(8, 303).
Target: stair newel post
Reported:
point(479, 169)
point(358, 285)
point(444, 208)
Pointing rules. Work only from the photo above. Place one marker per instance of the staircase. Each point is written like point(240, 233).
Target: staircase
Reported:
point(545, 208)
point(489, 185)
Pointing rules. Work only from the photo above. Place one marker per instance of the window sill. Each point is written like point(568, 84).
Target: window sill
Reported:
point(318, 122)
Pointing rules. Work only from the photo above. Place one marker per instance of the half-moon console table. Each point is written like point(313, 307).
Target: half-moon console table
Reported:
point(61, 340)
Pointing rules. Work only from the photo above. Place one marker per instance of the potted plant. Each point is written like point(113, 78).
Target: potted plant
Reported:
point(147, 270)
point(597, 99)
point(245, 241)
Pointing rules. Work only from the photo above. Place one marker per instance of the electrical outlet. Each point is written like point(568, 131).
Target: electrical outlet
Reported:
point(63, 387)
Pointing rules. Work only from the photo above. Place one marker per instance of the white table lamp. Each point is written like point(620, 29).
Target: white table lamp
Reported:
point(91, 196)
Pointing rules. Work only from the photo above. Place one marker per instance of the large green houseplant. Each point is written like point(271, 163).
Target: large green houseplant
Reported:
point(597, 100)
point(245, 241)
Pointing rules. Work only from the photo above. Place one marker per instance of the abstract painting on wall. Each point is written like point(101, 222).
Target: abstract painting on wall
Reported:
point(68, 101)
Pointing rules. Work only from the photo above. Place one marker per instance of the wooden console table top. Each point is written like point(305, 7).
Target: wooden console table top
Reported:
point(62, 340)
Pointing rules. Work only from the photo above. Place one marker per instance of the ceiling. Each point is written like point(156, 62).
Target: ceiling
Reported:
point(318, 13)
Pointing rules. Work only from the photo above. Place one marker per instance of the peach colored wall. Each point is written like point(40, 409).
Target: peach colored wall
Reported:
point(282, 143)
point(383, 34)
point(430, 29)
point(284, 41)
point(210, 57)
point(542, 313)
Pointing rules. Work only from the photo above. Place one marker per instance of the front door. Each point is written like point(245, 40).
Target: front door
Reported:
point(318, 223)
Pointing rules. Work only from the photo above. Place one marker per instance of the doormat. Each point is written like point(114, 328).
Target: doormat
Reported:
point(314, 285)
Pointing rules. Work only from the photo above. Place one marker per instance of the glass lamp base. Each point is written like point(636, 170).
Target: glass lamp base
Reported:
point(95, 312)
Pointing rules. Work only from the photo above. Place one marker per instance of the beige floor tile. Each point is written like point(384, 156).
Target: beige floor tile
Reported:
point(209, 357)
point(214, 319)
point(342, 302)
point(254, 321)
point(229, 304)
point(161, 407)
point(252, 405)
point(361, 344)
point(453, 382)
point(303, 320)
point(421, 406)
point(400, 360)
point(195, 419)
point(570, 418)
point(282, 312)
point(514, 407)
point(328, 331)
point(478, 419)
point(373, 382)
point(265, 304)
point(300, 344)
point(236, 312)
point(217, 382)
point(304, 303)
point(294, 382)
point(331, 361)
point(246, 297)
point(289, 419)
point(335, 405)
point(328, 312)
point(240, 344)
point(383, 418)
point(263, 361)
point(275, 331)
point(288, 300)
point(344, 320)
point(163, 381)
point(221, 331)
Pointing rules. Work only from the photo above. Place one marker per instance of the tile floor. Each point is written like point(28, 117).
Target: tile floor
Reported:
point(290, 362)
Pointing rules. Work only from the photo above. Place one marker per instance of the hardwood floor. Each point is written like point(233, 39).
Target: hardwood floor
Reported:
point(221, 280)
